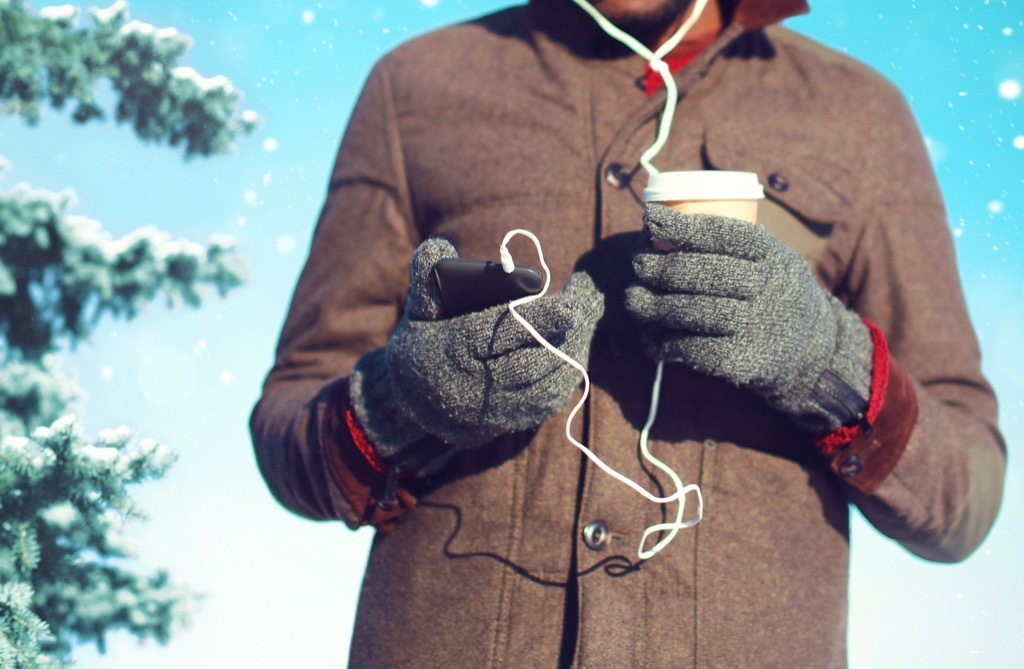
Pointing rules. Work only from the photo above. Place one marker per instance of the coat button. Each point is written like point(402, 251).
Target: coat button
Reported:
point(618, 175)
point(596, 535)
point(851, 466)
point(710, 444)
point(778, 182)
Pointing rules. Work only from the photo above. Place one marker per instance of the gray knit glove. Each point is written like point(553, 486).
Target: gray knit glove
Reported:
point(733, 302)
point(469, 379)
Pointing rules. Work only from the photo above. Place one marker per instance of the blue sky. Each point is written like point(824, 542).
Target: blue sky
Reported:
point(281, 590)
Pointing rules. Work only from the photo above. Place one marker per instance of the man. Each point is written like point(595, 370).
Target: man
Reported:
point(795, 387)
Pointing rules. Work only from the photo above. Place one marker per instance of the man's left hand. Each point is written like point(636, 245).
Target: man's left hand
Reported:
point(731, 301)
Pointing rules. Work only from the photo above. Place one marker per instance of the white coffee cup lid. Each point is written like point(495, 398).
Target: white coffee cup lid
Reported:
point(703, 185)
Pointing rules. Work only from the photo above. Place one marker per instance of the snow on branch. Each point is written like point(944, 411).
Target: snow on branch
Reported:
point(115, 12)
point(65, 13)
point(66, 498)
point(60, 272)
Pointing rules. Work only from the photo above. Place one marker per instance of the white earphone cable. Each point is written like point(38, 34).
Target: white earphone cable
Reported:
point(654, 59)
point(656, 62)
point(681, 490)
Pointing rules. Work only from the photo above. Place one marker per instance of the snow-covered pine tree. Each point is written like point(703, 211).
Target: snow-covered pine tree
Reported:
point(65, 573)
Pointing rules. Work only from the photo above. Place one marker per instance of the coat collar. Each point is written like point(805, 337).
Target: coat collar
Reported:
point(754, 14)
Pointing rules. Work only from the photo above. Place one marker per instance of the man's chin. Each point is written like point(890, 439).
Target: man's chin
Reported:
point(646, 20)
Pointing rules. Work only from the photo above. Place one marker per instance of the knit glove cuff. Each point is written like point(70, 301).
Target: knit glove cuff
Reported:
point(827, 396)
point(379, 408)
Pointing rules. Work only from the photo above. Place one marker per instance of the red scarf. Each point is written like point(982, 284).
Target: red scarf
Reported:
point(653, 80)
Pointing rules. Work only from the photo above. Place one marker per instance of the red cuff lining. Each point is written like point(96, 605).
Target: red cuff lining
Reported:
point(830, 441)
point(363, 444)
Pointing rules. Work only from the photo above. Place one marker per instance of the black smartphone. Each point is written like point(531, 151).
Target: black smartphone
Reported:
point(472, 285)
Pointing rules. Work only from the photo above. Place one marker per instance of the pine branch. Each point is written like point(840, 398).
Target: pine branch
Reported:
point(46, 59)
point(59, 273)
point(66, 503)
point(64, 498)
point(32, 394)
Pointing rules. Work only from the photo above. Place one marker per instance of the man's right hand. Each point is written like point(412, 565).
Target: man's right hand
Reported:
point(470, 379)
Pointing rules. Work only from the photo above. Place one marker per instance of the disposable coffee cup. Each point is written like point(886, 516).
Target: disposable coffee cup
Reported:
point(721, 193)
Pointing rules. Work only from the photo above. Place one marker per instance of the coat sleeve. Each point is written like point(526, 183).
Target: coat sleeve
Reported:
point(346, 303)
point(946, 459)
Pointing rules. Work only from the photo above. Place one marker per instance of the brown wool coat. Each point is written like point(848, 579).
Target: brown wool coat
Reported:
point(517, 120)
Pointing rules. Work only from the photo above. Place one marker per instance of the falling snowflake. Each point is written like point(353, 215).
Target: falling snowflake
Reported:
point(285, 243)
point(1009, 89)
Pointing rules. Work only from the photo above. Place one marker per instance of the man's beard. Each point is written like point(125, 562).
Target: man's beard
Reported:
point(653, 23)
